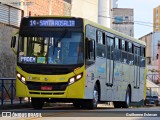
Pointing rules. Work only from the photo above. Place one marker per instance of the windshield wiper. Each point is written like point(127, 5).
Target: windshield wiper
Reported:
point(62, 35)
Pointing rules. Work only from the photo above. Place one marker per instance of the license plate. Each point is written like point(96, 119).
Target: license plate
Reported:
point(46, 87)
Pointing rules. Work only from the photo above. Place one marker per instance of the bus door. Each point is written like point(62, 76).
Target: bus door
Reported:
point(136, 67)
point(110, 62)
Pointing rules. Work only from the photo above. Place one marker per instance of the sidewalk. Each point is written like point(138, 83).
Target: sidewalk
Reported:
point(16, 104)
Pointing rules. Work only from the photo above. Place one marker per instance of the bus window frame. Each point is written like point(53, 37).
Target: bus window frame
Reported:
point(89, 60)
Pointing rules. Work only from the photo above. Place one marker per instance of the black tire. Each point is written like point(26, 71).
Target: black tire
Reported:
point(92, 103)
point(77, 104)
point(117, 104)
point(37, 103)
point(127, 102)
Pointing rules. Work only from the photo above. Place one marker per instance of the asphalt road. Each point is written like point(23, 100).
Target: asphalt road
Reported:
point(68, 112)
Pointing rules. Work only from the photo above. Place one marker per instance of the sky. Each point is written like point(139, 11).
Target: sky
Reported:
point(143, 14)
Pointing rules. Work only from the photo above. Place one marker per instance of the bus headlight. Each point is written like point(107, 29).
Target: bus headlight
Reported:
point(78, 76)
point(72, 80)
point(18, 75)
point(21, 78)
point(75, 78)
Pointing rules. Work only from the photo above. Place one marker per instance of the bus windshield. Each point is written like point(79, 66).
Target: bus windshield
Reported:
point(54, 48)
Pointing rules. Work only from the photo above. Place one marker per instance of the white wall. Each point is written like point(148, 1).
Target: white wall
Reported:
point(153, 49)
point(155, 39)
point(86, 9)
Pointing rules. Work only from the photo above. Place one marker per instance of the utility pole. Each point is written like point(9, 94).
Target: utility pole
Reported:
point(50, 7)
point(103, 11)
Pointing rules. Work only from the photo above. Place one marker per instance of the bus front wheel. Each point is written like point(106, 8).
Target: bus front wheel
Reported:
point(92, 103)
point(37, 103)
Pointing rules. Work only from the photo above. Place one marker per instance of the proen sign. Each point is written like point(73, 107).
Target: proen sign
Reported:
point(52, 23)
point(28, 59)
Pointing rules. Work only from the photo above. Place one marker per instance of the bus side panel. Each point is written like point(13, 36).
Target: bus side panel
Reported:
point(138, 93)
point(117, 80)
point(96, 72)
point(90, 80)
point(142, 82)
point(101, 75)
point(124, 81)
point(133, 94)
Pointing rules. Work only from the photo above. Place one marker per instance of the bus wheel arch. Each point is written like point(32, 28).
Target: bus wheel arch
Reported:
point(130, 92)
point(92, 103)
point(98, 88)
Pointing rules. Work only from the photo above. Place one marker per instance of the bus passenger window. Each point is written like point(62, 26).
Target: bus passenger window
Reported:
point(142, 58)
point(117, 50)
point(99, 37)
point(90, 49)
point(101, 51)
point(124, 53)
point(110, 48)
point(123, 45)
point(130, 47)
point(126, 46)
point(130, 53)
point(116, 43)
point(142, 51)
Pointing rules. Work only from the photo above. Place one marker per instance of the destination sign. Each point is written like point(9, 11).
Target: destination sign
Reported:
point(52, 23)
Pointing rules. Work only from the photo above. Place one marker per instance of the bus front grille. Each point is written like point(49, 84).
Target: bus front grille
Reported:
point(43, 93)
point(54, 86)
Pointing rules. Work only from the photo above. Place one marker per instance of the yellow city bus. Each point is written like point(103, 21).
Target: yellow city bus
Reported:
point(69, 59)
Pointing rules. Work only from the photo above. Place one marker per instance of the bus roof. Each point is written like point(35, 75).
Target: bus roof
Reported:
point(114, 32)
point(86, 21)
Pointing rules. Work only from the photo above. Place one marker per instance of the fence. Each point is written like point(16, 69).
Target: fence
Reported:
point(7, 92)
point(154, 78)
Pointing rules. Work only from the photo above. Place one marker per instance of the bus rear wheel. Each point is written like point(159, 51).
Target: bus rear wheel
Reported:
point(127, 102)
point(117, 104)
point(37, 103)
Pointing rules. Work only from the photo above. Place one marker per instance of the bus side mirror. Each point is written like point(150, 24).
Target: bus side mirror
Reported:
point(13, 42)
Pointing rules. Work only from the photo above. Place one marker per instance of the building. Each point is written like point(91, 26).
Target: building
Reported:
point(41, 7)
point(49, 7)
point(156, 19)
point(11, 12)
point(9, 23)
point(78, 8)
point(123, 20)
point(148, 40)
point(99, 11)
point(152, 55)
